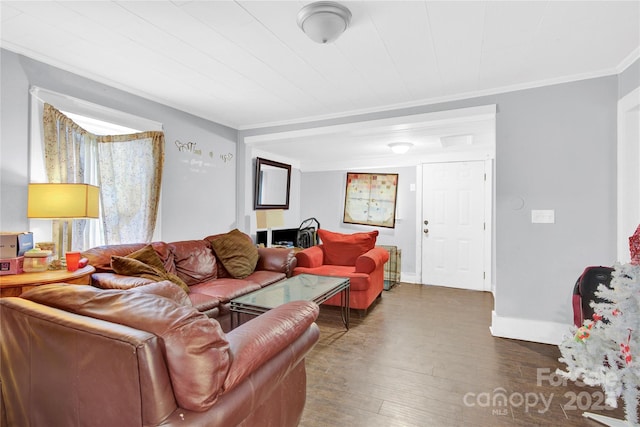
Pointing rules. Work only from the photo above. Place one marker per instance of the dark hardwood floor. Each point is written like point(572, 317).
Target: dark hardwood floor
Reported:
point(424, 356)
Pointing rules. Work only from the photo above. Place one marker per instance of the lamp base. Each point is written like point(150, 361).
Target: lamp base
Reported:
point(63, 228)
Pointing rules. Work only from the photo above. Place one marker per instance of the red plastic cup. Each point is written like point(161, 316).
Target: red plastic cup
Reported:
point(73, 258)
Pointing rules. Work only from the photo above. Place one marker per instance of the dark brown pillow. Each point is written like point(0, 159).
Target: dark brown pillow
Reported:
point(132, 267)
point(236, 252)
point(149, 256)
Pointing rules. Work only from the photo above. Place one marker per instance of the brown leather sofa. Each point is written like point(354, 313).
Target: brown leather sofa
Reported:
point(76, 355)
point(211, 287)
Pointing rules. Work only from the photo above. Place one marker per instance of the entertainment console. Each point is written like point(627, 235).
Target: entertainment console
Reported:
point(279, 237)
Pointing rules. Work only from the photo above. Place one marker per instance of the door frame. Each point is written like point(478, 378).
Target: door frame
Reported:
point(489, 208)
point(628, 182)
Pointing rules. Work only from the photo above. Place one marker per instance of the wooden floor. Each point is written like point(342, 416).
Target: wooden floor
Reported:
point(424, 356)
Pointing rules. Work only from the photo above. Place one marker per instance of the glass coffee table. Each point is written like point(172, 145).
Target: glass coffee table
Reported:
point(307, 287)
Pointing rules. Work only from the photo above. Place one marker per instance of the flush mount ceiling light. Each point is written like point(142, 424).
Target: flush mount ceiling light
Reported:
point(400, 147)
point(324, 21)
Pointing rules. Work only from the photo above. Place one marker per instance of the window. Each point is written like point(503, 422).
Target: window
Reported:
point(99, 127)
point(83, 144)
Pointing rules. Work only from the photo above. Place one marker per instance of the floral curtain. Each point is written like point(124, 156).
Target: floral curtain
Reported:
point(71, 157)
point(130, 169)
point(127, 168)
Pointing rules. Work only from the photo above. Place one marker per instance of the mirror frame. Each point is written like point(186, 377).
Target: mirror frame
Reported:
point(258, 183)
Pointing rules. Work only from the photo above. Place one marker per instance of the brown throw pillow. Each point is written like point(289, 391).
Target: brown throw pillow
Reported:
point(149, 256)
point(133, 267)
point(236, 252)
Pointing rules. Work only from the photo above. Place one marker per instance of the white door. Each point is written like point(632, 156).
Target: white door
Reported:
point(453, 237)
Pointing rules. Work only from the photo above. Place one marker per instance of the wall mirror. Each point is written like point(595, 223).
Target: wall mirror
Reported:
point(272, 182)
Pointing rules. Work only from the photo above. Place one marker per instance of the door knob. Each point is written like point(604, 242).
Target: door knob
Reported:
point(426, 222)
point(426, 231)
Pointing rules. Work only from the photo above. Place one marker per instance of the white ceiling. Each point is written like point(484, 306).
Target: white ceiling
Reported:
point(246, 64)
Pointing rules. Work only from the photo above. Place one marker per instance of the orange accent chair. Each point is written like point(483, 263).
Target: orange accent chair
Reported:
point(347, 255)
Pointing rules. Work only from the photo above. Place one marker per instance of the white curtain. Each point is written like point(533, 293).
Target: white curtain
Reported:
point(130, 169)
point(127, 168)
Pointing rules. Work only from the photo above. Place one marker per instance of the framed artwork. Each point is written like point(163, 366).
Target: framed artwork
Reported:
point(370, 199)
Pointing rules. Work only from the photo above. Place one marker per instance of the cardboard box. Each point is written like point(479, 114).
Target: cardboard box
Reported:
point(11, 266)
point(13, 245)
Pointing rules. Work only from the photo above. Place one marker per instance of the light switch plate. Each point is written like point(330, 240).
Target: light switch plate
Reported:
point(543, 216)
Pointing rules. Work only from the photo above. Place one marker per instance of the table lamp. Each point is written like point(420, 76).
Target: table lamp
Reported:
point(63, 202)
point(270, 219)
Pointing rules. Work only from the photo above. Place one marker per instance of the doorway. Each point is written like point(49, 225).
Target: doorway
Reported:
point(456, 218)
point(628, 178)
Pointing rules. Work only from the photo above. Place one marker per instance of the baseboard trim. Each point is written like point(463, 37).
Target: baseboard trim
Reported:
point(409, 278)
point(528, 329)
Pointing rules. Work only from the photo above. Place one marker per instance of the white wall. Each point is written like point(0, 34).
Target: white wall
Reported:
point(199, 188)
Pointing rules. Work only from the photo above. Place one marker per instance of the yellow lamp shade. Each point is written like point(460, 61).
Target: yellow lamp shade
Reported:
point(63, 201)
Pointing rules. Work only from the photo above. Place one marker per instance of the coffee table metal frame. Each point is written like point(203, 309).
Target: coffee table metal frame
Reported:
point(316, 288)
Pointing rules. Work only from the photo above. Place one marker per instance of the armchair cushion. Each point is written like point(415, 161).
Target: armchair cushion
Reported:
point(369, 261)
point(344, 249)
point(311, 257)
point(196, 350)
point(236, 252)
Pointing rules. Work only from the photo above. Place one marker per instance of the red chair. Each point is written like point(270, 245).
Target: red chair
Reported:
point(347, 255)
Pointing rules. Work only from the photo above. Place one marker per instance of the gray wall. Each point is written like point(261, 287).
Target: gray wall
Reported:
point(629, 79)
point(556, 149)
point(329, 187)
point(199, 190)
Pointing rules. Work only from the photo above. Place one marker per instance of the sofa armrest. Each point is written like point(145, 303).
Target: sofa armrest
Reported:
point(254, 343)
point(311, 257)
point(371, 260)
point(117, 281)
point(281, 260)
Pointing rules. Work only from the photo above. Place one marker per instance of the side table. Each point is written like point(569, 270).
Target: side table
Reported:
point(14, 285)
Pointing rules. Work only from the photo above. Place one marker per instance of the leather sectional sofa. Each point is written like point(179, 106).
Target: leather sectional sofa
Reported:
point(75, 355)
point(196, 263)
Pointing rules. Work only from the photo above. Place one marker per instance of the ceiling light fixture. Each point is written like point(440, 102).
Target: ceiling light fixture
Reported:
point(400, 147)
point(324, 21)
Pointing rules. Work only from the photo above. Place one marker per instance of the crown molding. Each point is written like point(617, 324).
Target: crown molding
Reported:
point(630, 59)
point(443, 99)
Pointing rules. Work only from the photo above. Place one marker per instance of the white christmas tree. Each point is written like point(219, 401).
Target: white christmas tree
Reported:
point(605, 351)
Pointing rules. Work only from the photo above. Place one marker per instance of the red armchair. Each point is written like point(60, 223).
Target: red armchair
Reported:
point(347, 255)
